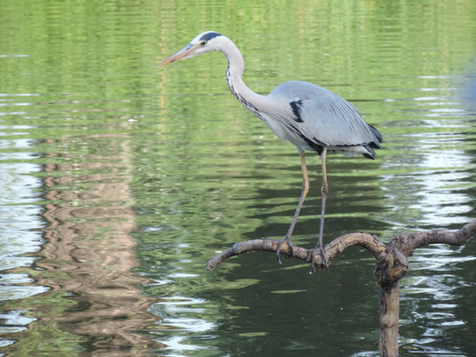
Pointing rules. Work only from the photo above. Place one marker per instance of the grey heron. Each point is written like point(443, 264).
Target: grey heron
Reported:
point(311, 117)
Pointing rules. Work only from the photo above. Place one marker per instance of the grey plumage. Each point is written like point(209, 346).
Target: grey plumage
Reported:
point(311, 117)
point(326, 120)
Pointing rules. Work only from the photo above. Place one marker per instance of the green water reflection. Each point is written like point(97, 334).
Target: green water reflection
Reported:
point(120, 180)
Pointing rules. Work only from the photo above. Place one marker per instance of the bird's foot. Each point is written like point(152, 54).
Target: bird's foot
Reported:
point(319, 249)
point(278, 250)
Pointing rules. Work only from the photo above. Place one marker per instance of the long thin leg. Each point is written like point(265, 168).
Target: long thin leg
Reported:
point(305, 190)
point(324, 189)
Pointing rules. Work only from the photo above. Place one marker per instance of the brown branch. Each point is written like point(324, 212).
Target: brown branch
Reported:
point(365, 240)
point(337, 246)
point(263, 245)
point(408, 243)
point(391, 266)
point(392, 263)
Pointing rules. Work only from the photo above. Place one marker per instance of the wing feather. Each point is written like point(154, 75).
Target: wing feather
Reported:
point(324, 116)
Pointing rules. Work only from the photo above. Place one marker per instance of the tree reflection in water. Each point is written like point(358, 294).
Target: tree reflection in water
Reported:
point(87, 259)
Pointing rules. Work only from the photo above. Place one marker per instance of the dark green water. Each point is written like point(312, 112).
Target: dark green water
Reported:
point(119, 180)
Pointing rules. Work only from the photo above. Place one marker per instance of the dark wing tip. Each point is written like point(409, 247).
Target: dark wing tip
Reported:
point(377, 134)
point(370, 154)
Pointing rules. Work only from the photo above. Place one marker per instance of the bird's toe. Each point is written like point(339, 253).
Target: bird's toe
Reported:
point(278, 249)
point(324, 263)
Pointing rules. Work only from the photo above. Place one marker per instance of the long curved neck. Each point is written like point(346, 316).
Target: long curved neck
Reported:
point(234, 72)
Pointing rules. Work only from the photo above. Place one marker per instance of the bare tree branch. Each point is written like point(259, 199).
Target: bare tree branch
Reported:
point(336, 247)
point(263, 245)
point(392, 263)
point(407, 243)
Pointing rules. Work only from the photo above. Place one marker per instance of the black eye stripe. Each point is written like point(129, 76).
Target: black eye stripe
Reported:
point(208, 36)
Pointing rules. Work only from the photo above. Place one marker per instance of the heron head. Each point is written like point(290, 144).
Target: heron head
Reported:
point(203, 43)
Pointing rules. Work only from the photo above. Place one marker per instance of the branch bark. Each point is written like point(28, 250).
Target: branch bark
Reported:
point(391, 259)
point(389, 315)
point(391, 265)
point(408, 243)
point(334, 248)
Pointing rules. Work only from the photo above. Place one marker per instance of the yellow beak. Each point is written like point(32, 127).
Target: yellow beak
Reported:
point(186, 52)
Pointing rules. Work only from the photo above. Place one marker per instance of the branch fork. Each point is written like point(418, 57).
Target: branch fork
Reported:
point(391, 265)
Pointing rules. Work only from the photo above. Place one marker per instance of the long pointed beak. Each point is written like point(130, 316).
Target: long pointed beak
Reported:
point(186, 52)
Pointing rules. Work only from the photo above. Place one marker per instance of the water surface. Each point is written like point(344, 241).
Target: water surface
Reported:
point(120, 180)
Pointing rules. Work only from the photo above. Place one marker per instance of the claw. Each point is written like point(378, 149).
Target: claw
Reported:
point(279, 249)
point(319, 248)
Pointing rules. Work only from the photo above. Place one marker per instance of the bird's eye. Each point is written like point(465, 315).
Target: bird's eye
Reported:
point(203, 43)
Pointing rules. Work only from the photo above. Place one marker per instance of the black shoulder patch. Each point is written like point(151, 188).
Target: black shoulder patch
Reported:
point(296, 107)
point(209, 35)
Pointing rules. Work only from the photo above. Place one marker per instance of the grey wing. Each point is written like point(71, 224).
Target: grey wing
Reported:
point(324, 117)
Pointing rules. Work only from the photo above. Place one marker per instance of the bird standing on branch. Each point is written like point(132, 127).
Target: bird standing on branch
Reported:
point(311, 117)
